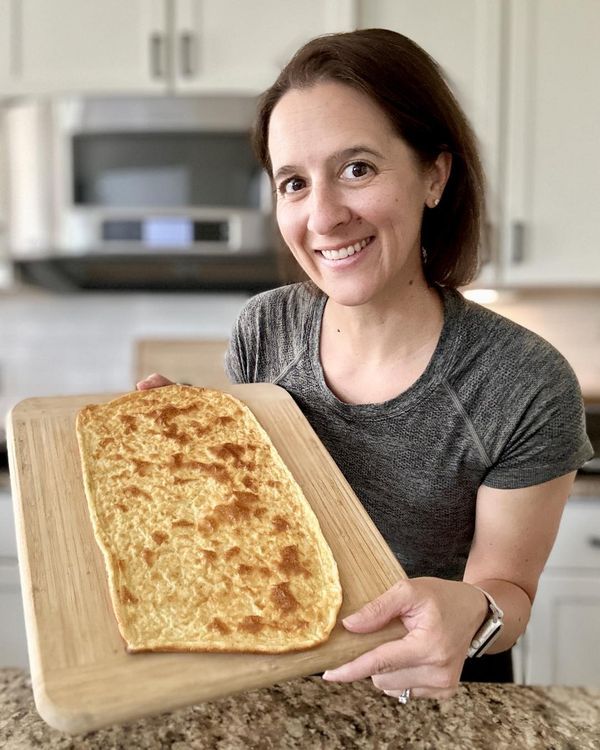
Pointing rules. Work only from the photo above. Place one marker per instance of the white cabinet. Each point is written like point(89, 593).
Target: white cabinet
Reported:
point(561, 645)
point(13, 643)
point(227, 43)
point(158, 46)
point(5, 49)
point(82, 45)
point(552, 223)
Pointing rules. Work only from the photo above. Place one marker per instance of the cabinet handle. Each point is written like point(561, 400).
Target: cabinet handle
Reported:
point(594, 541)
point(518, 242)
point(157, 52)
point(187, 54)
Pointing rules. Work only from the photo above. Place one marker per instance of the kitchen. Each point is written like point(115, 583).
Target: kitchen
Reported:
point(72, 324)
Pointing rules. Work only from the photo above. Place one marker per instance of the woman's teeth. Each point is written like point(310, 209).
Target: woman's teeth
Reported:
point(345, 252)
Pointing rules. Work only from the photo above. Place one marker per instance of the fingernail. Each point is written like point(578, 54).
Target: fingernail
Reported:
point(351, 619)
point(328, 674)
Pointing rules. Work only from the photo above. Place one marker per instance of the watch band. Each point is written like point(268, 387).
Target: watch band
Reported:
point(490, 630)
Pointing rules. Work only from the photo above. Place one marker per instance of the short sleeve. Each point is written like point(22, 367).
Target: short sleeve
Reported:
point(549, 438)
point(236, 359)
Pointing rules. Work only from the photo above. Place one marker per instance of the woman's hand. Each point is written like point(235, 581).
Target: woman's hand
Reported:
point(153, 381)
point(441, 618)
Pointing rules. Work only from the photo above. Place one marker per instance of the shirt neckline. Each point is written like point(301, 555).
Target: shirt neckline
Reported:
point(436, 370)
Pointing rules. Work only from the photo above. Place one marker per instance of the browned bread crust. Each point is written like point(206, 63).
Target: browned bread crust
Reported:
point(208, 541)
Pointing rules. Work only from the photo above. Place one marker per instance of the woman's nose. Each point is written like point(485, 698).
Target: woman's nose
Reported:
point(327, 209)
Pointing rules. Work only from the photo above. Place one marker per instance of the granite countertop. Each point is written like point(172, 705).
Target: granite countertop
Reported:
point(311, 714)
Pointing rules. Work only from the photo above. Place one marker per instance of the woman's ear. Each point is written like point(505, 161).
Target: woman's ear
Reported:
point(439, 174)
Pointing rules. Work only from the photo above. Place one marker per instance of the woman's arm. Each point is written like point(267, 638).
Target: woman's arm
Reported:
point(514, 533)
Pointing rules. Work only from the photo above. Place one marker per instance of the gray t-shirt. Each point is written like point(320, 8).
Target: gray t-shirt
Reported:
point(497, 405)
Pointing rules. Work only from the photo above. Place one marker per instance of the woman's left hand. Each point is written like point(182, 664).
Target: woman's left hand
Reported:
point(441, 618)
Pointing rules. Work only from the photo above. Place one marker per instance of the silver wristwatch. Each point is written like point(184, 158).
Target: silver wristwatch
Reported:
point(489, 631)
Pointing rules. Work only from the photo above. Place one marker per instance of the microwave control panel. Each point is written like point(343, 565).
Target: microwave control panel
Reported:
point(160, 232)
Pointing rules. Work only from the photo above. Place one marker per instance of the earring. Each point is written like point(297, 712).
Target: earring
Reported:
point(423, 255)
point(436, 202)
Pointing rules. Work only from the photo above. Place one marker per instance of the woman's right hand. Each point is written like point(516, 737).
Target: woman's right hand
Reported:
point(153, 381)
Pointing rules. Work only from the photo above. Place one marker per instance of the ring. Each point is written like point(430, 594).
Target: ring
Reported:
point(404, 697)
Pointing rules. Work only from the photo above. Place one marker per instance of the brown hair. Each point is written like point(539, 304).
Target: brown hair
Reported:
point(409, 87)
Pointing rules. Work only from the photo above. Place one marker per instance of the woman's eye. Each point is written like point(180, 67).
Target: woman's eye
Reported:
point(293, 185)
point(356, 169)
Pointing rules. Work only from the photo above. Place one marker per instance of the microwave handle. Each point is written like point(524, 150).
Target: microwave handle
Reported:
point(157, 55)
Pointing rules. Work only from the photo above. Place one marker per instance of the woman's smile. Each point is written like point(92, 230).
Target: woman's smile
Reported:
point(344, 252)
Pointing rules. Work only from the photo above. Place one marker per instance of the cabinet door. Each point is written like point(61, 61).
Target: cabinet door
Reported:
point(561, 643)
point(13, 641)
point(553, 166)
point(5, 47)
point(86, 46)
point(464, 37)
point(230, 45)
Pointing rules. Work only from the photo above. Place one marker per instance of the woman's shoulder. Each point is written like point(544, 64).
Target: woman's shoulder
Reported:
point(491, 342)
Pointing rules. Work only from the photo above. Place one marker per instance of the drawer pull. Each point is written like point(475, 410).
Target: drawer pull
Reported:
point(594, 541)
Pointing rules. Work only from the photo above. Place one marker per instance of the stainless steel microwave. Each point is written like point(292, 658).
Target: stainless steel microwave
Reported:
point(110, 176)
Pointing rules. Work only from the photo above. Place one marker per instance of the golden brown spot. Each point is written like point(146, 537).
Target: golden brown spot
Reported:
point(129, 423)
point(199, 429)
point(137, 492)
point(159, 537)
point(244, 569)
point(231, 552)
point(259, 512)
point(289, 562)
point(217, 624)
point(280, 524)
point(121, 565)
point(141, 467)
point(148, 556)
point(168, 413)
point(180, 437)
point(182, 523)
point(225, 420)
point(209, 554)
point(264, 571)
point(283, 599)
point(229, 450)
point(126, 596)
point(180, 480)
point(106, 442)
point(247, 497)
point(122, 506)
point(233, 512)
point(252, 624)
point(249, 482)
point(273, 483)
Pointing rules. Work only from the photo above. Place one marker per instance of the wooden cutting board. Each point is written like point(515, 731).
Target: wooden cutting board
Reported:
point(82, 676)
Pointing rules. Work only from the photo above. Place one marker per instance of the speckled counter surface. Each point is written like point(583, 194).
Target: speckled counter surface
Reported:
point(311, 714)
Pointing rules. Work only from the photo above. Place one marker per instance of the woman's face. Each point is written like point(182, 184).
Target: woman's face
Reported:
point(350, 193)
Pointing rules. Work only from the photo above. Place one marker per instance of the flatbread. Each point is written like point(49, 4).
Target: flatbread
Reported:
point(208, 541)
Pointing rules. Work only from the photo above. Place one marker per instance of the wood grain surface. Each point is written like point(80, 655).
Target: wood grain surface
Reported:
point(82, 676)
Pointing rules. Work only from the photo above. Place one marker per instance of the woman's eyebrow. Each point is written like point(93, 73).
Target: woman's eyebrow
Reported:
point(347, 153)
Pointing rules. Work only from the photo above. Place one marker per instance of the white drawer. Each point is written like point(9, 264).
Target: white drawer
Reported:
point(578, 541)
point(8, 539)
point(13, 642)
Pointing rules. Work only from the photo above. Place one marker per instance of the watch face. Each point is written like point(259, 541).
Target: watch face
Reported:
point(485, 637)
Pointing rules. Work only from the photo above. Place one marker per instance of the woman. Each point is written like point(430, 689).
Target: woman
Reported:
point(459, 431)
